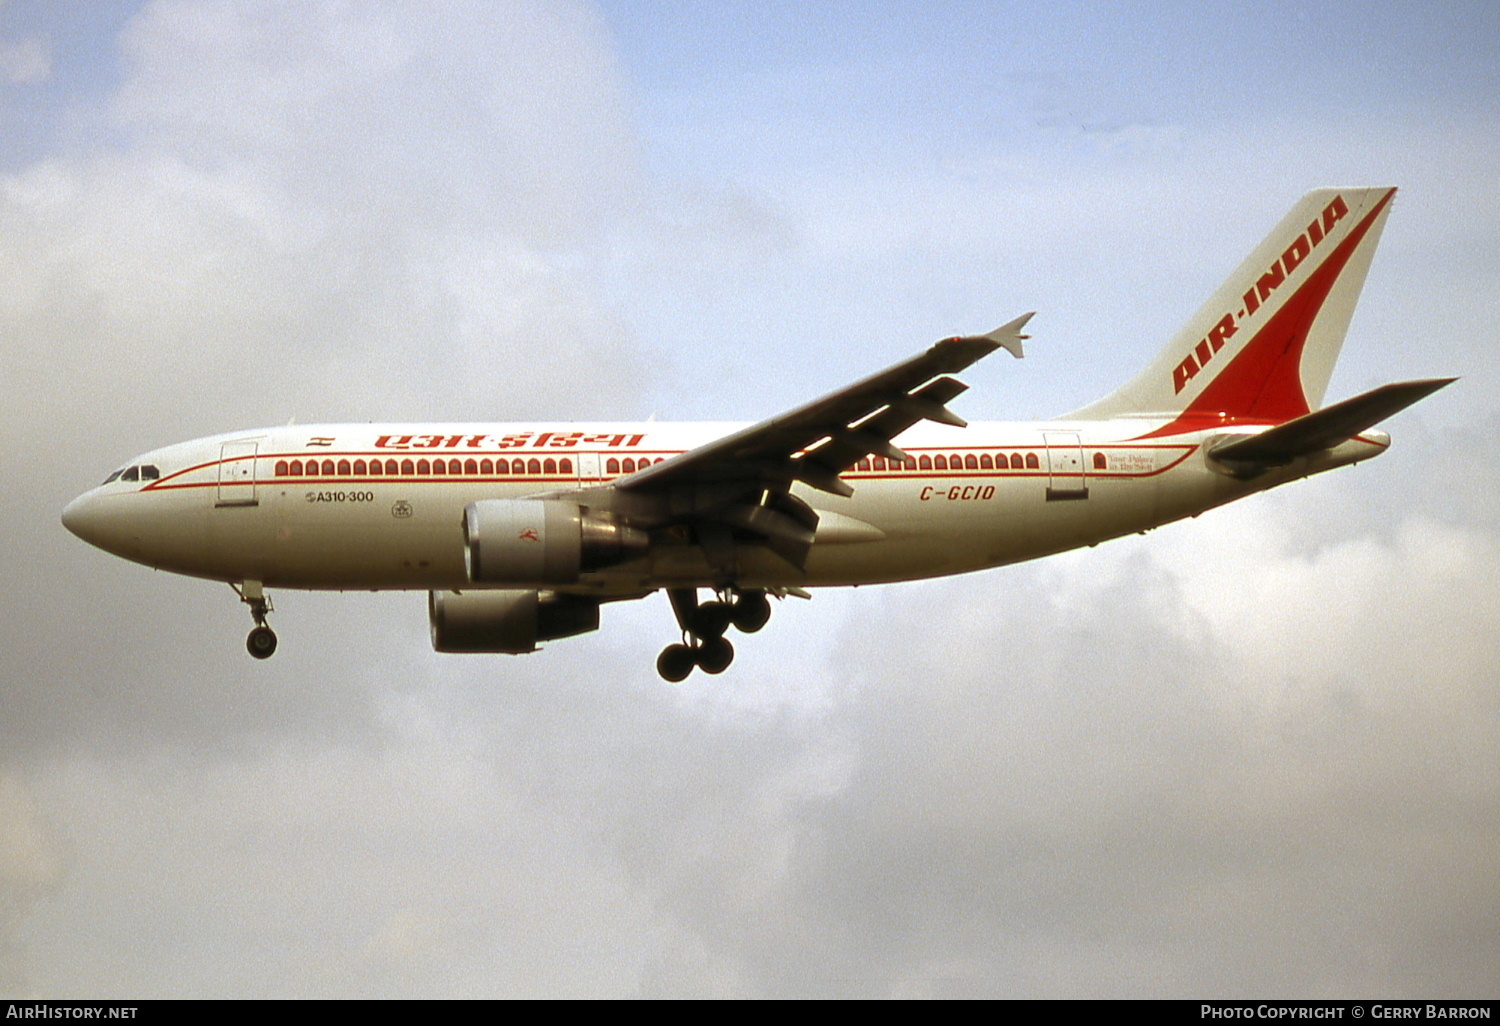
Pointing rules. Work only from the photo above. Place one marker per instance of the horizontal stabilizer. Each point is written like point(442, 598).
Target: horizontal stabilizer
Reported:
point(1328, 427)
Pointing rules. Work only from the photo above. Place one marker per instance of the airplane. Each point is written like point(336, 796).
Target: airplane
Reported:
point(520, 533)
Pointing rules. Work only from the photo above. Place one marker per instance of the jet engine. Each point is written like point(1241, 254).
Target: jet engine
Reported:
point(506, 621)
point(543, 541)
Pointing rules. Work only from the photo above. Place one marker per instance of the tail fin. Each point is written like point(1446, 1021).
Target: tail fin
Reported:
point(1262, 349)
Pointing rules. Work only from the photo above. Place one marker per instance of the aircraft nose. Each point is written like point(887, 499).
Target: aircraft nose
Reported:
point(103, 522)
point(81, 516)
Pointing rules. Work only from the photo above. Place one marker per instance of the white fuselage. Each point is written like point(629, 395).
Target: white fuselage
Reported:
point(371, 507)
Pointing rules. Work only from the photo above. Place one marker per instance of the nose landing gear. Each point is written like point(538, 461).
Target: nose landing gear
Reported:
point(262, 640)
point(703, 643)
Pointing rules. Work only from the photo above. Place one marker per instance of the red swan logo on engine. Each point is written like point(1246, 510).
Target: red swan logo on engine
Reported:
point(529, 535)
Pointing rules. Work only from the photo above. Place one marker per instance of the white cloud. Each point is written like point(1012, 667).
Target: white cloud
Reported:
point(31, 866)
point(25, 62)
point(335, 212)
point(440, 881)
point(1203, 755)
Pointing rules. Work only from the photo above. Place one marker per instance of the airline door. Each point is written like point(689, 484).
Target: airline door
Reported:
point(1065, 474)
point(237, 474)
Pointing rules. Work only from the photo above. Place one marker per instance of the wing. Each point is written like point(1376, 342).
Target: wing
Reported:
point(738, 488)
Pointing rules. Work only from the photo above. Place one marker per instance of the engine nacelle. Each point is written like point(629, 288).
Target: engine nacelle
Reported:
point(542, 541)
point(506, 621)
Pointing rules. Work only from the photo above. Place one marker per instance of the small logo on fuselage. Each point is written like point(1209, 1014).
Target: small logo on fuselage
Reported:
point(401, 510)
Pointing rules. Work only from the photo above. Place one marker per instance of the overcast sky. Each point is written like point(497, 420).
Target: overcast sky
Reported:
point(1253, 754)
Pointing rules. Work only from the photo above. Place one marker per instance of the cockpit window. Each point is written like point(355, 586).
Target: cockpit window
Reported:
point(133, 474)
point(149, 473)
point(111, 477)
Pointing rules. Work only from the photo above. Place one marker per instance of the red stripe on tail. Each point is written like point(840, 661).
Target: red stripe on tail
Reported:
point(1262, 384)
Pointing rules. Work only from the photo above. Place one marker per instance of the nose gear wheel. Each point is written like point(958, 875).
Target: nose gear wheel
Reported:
point(261, 643)
point(262, 640)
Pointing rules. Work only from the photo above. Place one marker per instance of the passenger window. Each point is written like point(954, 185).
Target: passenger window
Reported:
point(1015, 461)
point(472, 467)
point(390, 467)
point(407, 467)
point(360, 468)
point(611, 466)
point(440, 466)
point(456, 466)
point(344, 468)
point(971, 462)
point(281, 468)
point(328, 468)
point(533, 466)
point(1031, 461)
point(985, 463)
point(133, 474)
point(863, 464)
point(565, 466)
point(628, 465)
point(518, 466)
point(940, 463)
point(549, 466)
point(1099, 461)
point(924, 462)
point(375, 468)
point(424, 467)
point(877, 463)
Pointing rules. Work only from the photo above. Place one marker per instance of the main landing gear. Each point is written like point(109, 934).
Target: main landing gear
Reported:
point(703, 626)
point(262, 640)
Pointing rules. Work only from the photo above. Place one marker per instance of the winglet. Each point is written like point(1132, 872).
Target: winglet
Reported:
point(958, 353)
point(1008, 336)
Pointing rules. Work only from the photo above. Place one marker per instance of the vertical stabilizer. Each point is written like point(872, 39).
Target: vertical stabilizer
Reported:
point(1262, 349)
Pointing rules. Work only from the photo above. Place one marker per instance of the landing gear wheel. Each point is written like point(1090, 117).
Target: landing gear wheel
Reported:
point(711, 619)
point(715, 655)
point(675, 663)
point(261, 642)
point(750, 611)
